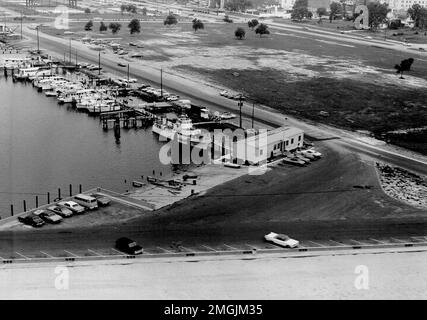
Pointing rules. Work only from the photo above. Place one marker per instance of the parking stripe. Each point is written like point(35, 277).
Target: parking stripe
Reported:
point(253, 247)
point(94, 252)
point(358, 242)
point(168, 251)
point(209, 248)
point(25, 257)
point(316, 243)
point(338, 243)
point(121, 253)
point(378, 241)
point(230, 247)
point(74, 255)
point(47, 254)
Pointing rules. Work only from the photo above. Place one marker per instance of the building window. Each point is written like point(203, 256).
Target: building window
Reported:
point(299, 138)
point(292, 140)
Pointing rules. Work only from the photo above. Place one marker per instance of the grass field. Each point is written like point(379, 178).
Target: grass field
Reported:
point(295, 73)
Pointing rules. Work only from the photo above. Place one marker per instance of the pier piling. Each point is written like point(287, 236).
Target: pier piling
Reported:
point(25, 205)
point(59, 193)
point(48, 197)
point(71, 190)
point(80, 188)
point(11, 210)
point(37, 201)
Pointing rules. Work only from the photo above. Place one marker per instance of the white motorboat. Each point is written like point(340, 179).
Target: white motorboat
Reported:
point(182, 129)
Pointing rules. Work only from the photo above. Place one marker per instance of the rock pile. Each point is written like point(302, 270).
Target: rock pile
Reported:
point(403, 185)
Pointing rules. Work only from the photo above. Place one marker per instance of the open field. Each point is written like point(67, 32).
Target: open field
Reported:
point(355, 86)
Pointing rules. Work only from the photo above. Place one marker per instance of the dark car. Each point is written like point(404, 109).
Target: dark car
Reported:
point(48, 216)
point(31, 220)
point(128, 246)
point(102, 200)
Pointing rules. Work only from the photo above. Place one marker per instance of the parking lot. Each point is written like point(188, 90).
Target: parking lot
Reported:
point(178, 249)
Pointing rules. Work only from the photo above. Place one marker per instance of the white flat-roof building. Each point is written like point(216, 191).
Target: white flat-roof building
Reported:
point(260, 146)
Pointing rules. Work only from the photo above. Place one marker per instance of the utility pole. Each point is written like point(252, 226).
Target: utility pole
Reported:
point(70, 51)
point(76, 57)
point(161, 82)
point(38, 40)
point(99, 63)
point(253, 111)
point(240, 104)
point(21, 25)
point(128, 73)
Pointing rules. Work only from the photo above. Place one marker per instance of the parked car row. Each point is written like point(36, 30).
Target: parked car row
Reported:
point(301, 157)
point(159, 92)
point(54, 214)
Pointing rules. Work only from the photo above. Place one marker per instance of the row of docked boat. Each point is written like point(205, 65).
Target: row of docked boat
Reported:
point(78, 94)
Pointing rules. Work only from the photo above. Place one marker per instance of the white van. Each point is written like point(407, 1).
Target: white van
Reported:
point(86, 201)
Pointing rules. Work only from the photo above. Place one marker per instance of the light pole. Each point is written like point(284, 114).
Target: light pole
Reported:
point(128, 73)
point(99, 63)
point(21, 25)
point(38, 40)
point(70, 51)
point(240, 104)
point(161, 82)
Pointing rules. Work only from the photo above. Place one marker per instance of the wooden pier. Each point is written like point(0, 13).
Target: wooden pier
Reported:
point(126, 118)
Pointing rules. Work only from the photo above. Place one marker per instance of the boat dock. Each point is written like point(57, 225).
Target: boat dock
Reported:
point(126, 118)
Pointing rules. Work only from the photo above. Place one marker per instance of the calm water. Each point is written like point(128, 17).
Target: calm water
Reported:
point(44, 145)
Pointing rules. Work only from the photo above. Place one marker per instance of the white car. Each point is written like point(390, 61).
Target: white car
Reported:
point(311, 152)
point(281, 240)
point(73, 206)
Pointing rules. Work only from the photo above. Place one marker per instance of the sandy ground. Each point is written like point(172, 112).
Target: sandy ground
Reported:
point(208, 176)
point(363, 276)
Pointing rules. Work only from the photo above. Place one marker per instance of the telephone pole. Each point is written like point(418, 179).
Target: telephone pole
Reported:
point(21, 24)
point(70, 51)
point(161, 82)
point(240, 104)
point(253, 111)
point(99, 63)
point(38, 40)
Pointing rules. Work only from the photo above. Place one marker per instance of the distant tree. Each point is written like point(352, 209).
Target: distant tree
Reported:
point(227, 19)
point(240, 33)
point(262, 29)
point(114, 27)
point(405, 65)
point(144, 11)
point(197, 24)
point(132, 8)
point(253, 23)
point(238, 5)
point(377, 14)
point(123, 8)
point(335, 9)
point(419, 15)
point(103, 27)
point(321, 11)
point(87, 10)
point(89, 25)
point(134, 26)
point(170, 20)
point(300, 10)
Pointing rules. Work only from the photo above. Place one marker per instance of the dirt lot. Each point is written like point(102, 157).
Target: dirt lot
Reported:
point(281, 195)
